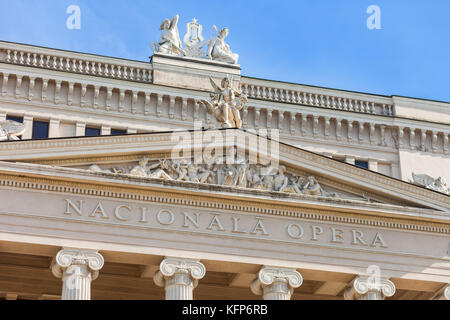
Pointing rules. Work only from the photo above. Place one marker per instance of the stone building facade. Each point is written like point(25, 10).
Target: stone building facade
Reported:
point(95, 206)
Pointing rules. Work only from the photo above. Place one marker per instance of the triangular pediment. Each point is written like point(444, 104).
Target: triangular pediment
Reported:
point(148, 159)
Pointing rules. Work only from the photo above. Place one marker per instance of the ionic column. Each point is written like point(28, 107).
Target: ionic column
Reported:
point(179, 277)
point(445, 295)
point(369, 288)
point(77, 268)
point(276, 283)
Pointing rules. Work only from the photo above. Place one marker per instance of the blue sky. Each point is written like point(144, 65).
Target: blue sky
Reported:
point(322, 42)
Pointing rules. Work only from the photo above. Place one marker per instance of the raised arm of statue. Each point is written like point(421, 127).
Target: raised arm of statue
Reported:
point(169, 41)
point(174, 22)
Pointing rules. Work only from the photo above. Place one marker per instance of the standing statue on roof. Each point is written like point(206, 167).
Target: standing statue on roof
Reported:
point(169, 41)
point(220, 51)
point(226, 102)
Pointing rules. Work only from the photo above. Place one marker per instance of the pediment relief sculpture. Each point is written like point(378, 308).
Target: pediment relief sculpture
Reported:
point(216, 48)
point(239, 175)
point(439, 184)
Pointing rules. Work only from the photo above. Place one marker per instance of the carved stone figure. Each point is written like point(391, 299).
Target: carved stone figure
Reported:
point(160, 170)
point(293, 185)
point(424, 180)
point(253, 177)
point(140, 170)
point(169, 41)
point(226, 104)
point(11, 130)
point(230, 176)
point(96, 168)
point(193, 40)
point(312, 187)
point(218, 49)
point(205, 175)
point(280, 180)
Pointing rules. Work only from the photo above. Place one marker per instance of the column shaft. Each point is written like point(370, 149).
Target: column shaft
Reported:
point(179, 287)
point(76, 283)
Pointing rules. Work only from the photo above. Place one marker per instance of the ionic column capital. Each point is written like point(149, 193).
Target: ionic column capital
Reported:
point(370, 288)
point(179, 277)
point(276, 283)
point(445, 295)
point(68, 257)
point(170, 266)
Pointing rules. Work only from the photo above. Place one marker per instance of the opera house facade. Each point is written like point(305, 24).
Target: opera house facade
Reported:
point(181, 178)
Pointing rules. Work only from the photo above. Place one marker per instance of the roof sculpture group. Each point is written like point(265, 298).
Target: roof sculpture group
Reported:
point(170, 43)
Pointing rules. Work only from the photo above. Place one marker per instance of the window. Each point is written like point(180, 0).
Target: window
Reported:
point(117, 132)
point(40, 130)
point(362, 164)
point(13, 118)
point(92, 132)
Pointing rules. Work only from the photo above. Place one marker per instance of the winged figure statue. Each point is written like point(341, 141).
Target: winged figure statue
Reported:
point(226, 103)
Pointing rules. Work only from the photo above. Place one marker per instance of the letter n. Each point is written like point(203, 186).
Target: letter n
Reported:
point(78, 209)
